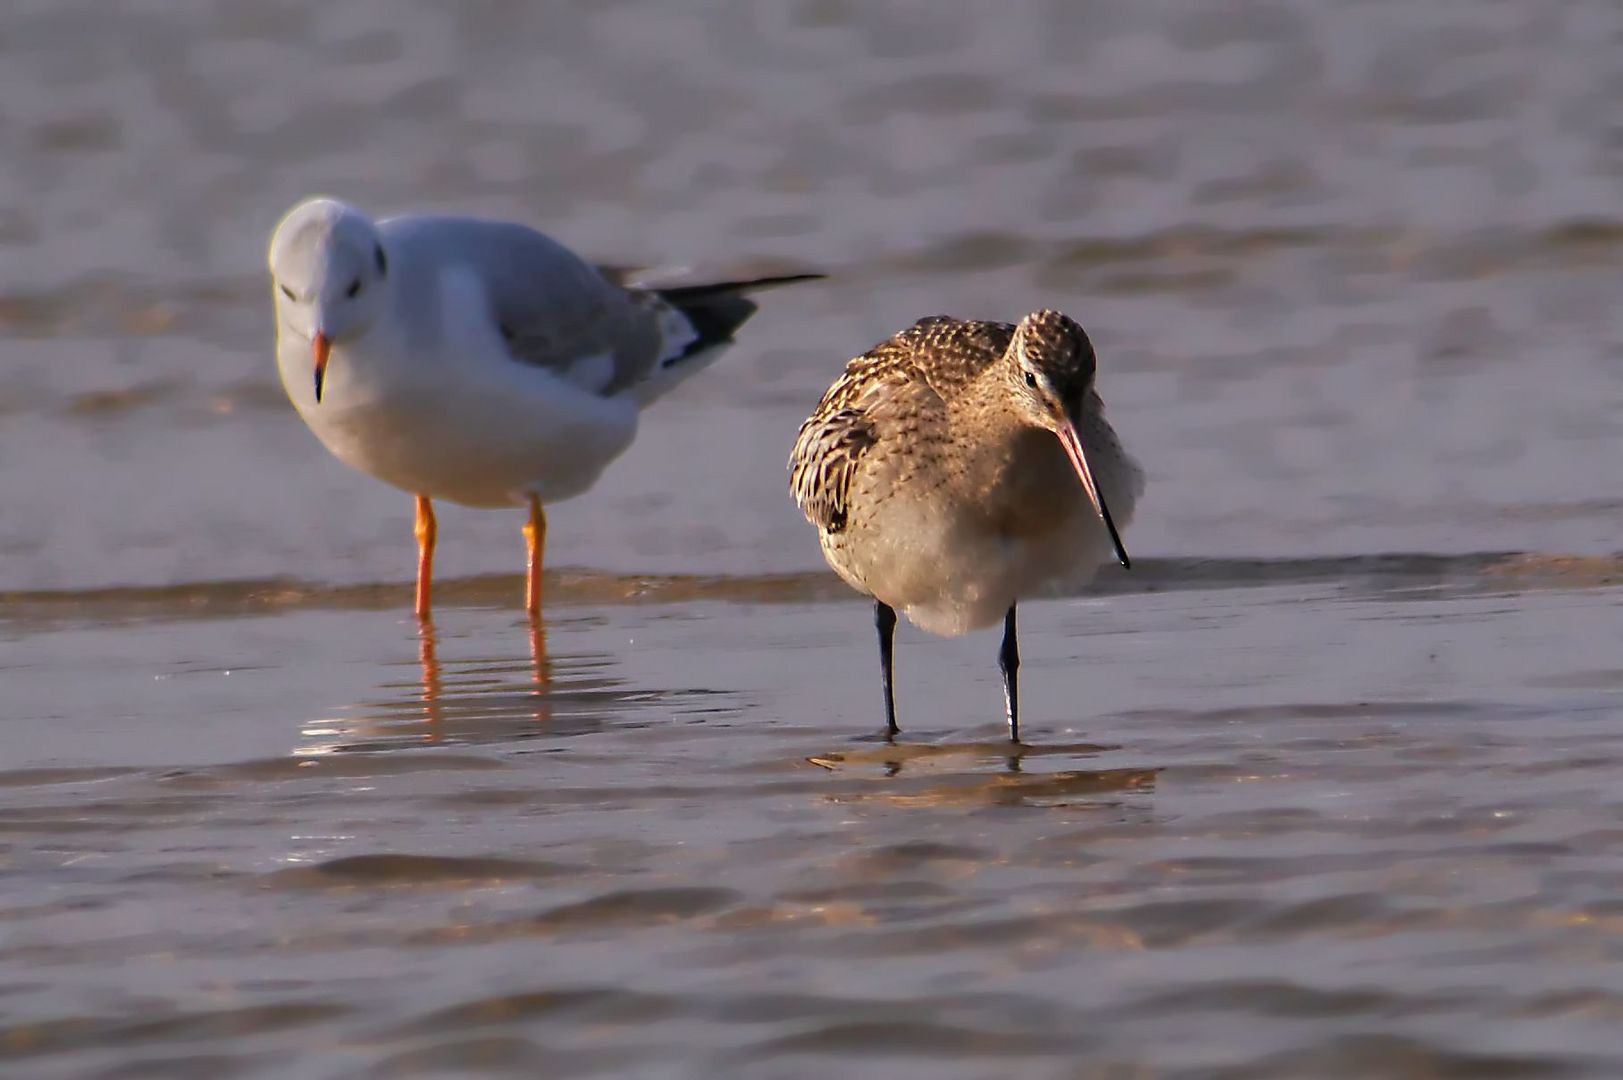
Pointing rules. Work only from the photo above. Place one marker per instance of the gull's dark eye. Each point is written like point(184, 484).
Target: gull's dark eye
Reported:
point(1031, 380)
point(287, 292)
point(354, 289)
point(383, 264)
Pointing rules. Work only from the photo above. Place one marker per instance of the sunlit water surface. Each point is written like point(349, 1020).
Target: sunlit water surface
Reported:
point(1327, 787)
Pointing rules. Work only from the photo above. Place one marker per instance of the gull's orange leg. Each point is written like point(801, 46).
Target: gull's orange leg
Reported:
point(535, 539)
point(426, 532)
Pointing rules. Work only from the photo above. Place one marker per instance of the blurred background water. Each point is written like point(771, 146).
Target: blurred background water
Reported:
point(1322, 789)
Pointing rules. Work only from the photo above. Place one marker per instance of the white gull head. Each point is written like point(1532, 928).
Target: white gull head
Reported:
point(329, 271)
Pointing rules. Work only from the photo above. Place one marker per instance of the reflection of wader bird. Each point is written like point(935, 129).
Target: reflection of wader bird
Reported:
point(960, 466)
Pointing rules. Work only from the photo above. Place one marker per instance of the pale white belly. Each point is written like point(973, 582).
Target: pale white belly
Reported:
point(950, 573)
point(480, 438)
point(414, 451)
point(954, 554)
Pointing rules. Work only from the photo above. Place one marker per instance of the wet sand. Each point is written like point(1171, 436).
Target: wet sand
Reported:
point(1324, 787)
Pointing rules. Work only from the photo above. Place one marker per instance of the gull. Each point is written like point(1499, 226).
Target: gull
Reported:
point(477, 361)
point(959, 467)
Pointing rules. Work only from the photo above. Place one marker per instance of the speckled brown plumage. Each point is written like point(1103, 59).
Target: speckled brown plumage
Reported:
point(916, 370)
point(959, 466)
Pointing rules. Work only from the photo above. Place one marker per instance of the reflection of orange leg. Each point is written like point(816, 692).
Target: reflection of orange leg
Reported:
point(538, 652)
point(425, 554)
point(535, 540)
point(431, 671)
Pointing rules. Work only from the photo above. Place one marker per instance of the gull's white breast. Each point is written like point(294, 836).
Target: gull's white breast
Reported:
point(432, 403)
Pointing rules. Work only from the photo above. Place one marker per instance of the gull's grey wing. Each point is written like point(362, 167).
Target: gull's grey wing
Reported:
point(553, 309)
point(557, 311)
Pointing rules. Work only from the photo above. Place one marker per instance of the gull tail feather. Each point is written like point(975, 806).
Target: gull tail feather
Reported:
point(701, 324)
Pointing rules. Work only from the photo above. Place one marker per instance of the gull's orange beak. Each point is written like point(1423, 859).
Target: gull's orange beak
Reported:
point(1079, 461)
point(320, 346)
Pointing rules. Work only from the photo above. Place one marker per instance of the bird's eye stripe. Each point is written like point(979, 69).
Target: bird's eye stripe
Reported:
point(287, 292)
point(354, 288)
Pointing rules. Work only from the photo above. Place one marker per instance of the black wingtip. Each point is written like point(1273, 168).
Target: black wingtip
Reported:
point(717, 309)
point(683, 294)
point(714, 318)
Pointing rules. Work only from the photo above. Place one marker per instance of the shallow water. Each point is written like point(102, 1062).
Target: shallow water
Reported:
point(1325, 787)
